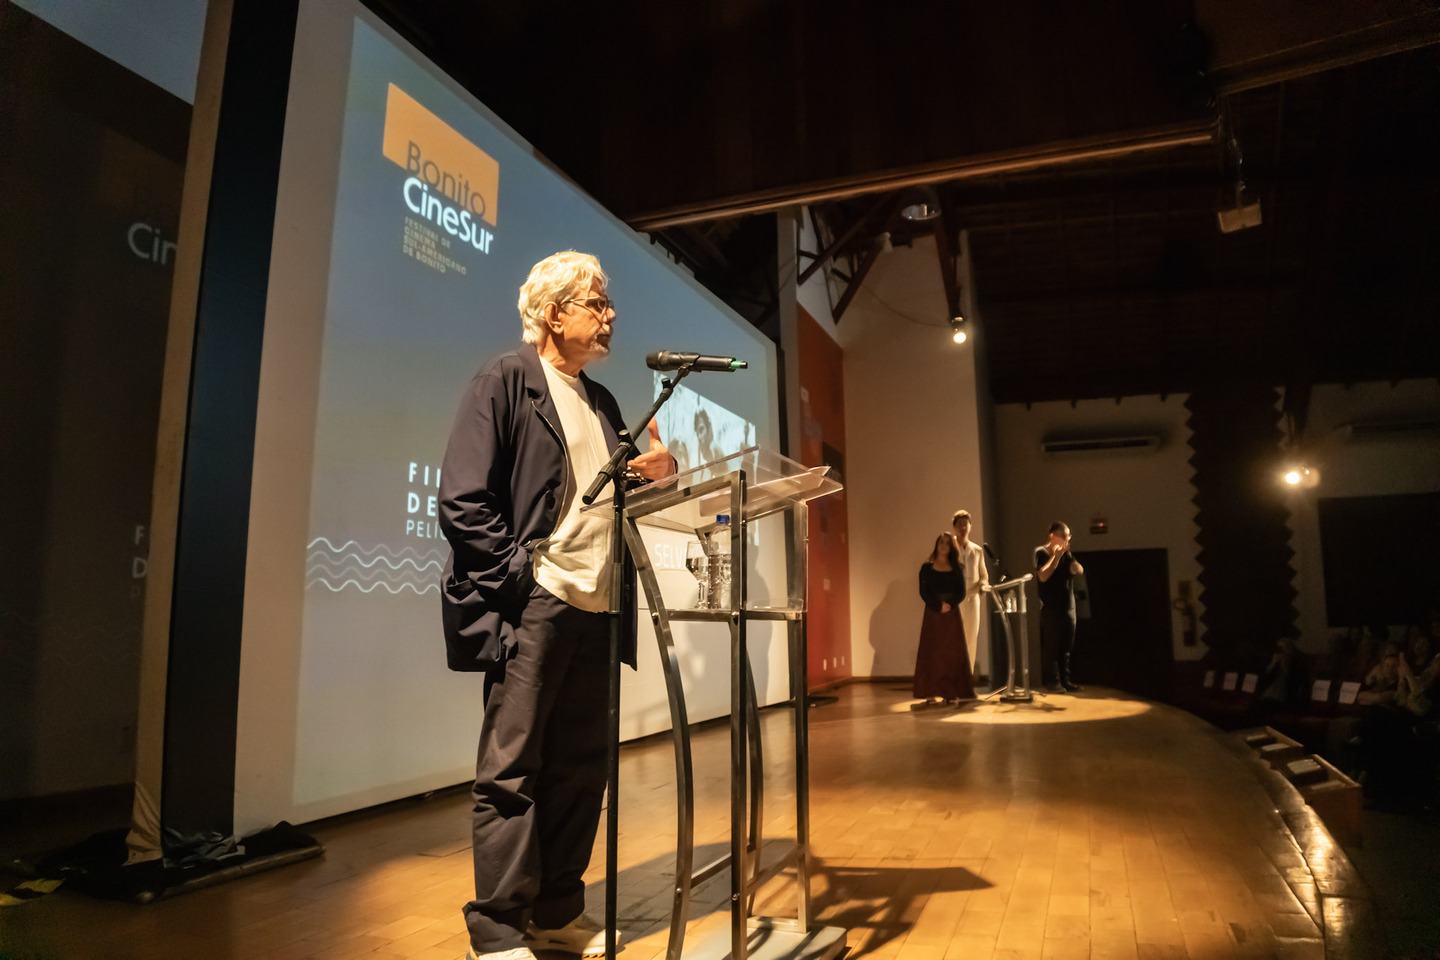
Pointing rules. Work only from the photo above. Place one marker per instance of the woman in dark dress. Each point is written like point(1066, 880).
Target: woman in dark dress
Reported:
point(942, 664)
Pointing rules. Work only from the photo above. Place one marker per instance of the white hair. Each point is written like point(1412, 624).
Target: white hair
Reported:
point(554, 280)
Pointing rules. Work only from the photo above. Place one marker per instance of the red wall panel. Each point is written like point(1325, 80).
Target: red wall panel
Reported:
point(822, 440)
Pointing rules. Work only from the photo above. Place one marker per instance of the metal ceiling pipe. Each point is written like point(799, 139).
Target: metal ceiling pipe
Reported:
point(985, 165)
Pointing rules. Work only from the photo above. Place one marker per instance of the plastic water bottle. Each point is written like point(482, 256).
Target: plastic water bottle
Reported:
point(720, 564)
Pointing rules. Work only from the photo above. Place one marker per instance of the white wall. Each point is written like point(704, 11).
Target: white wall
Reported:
point(1355, 468)
point(1145, 498)
point(912, 449)
point(989, 505)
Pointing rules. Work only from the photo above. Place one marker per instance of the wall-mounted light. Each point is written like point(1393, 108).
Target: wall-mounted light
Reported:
point(1300, 475)
point(957, 329)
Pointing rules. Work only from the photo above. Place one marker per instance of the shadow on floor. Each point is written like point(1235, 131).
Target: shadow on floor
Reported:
point(877, 905)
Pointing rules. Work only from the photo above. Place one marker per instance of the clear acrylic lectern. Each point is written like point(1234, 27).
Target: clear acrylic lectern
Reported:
point(1009, 598)
point(748, 487)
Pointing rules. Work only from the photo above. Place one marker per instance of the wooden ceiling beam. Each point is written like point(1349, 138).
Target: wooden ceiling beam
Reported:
point(829, 252)
point(1029, 158)
point(866, 262)
point(702, 241)
point(945, 251)
point(1384, 39)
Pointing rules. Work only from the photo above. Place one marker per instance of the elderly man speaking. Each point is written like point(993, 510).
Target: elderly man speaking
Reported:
point(525, 595)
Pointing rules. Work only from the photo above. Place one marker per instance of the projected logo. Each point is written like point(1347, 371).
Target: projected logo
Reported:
point(353, 566)
point(452, 187)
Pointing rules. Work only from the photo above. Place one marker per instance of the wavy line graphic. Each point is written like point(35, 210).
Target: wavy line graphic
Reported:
point(364, 589)
point(343, 570)
point(431, 554)
point(357, 558)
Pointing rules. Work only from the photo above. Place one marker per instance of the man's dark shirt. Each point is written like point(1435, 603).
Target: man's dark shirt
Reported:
point(1058, 592)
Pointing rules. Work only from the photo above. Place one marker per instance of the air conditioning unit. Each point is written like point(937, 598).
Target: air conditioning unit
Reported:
point(1377, 431)
point(1100, 446)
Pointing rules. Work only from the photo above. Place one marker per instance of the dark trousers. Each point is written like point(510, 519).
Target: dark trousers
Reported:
point(540, 776)
point(1057, 641)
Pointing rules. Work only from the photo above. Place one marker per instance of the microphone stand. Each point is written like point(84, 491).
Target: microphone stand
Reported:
point(991, 557)
point(612, 473)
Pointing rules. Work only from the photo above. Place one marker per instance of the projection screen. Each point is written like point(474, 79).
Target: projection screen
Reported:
point(408, 215)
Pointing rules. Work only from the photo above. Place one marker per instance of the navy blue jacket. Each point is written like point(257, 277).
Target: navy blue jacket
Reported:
point(500, 490)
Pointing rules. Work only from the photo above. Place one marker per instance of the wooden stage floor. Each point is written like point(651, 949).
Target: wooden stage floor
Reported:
point(1093, 825)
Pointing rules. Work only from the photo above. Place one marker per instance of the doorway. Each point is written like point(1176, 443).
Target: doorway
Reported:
point(1126, 641)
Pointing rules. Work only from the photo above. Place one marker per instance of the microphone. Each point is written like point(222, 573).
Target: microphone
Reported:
point(670, 360)
point(990, 553)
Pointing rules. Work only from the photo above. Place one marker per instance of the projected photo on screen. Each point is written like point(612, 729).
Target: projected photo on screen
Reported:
point(698, 430)
point(439, 211)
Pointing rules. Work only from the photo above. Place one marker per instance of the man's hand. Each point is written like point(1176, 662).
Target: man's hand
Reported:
point(655, 463)
point(944, 607)
point(1056, 551)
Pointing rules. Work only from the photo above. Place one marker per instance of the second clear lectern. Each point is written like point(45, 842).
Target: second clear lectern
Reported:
point(748, 518)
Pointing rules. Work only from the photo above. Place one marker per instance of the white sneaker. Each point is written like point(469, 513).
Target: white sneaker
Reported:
point(514, 953)
point(581, 935)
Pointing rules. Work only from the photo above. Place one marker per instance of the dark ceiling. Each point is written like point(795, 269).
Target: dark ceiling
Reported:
point(1086, 149)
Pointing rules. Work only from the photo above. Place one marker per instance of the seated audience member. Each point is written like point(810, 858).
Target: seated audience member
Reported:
point(1393, 734)
point(1418, 669)
point(1360, 658)
point(1408, 636)
point(1382, 680)
point(1284, 680)
point(1420, 646)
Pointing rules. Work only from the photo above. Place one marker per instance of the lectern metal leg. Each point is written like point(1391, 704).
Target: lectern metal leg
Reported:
point(1012, 694)
point(748, 937)
point(680, 734)
point(754, 841)
point(799, 696)
point(1025, 641)
point(764, 941)
point(740, 719)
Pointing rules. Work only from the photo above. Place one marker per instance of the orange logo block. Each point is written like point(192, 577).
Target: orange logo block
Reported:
point(447, 163)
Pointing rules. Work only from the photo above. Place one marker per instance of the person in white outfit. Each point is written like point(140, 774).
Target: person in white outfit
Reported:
point(977, 580)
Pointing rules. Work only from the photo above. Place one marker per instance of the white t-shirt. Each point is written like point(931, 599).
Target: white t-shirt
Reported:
point(975, 571)
point(971, 606)
point(573, 563)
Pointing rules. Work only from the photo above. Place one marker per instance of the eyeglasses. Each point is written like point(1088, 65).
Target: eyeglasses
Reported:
point(598, 304)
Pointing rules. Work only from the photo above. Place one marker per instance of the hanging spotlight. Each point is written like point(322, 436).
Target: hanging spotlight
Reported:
point(1243, 215)
point(920, 203)
point(957, 329)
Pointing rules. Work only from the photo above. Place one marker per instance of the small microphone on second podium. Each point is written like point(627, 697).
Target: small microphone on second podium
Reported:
point(673, 360)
